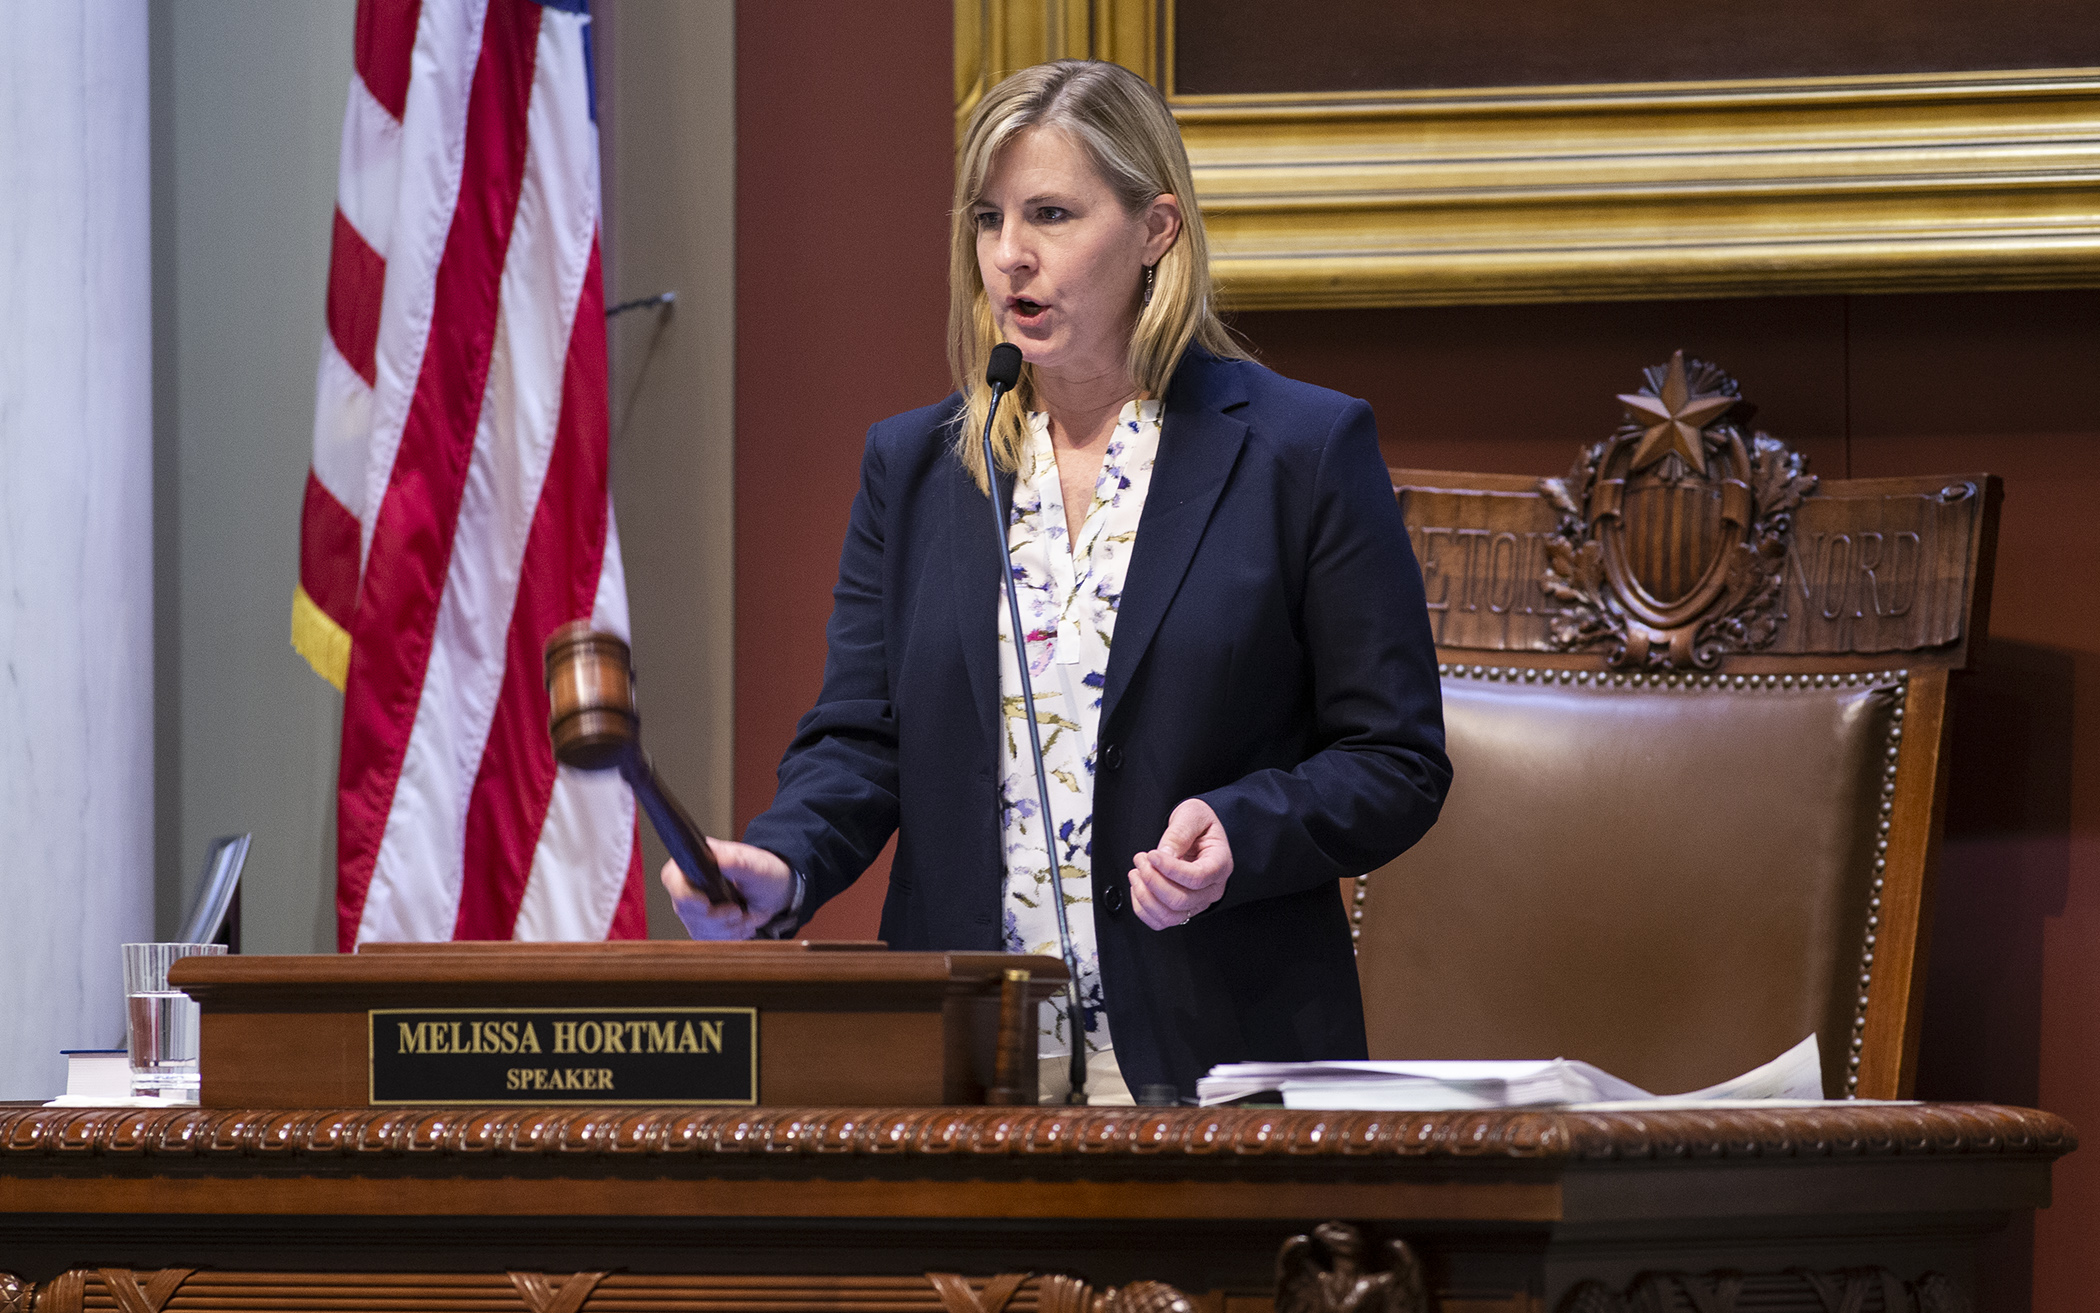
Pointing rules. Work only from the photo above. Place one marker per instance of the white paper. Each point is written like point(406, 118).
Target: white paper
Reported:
point(1794, 1077)
point(1794, 1074)
point(98, 1073)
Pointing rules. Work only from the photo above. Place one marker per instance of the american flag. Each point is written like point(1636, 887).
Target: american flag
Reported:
point(458, 510)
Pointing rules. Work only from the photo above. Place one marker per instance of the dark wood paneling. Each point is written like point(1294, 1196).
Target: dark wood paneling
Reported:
point(1377, 45)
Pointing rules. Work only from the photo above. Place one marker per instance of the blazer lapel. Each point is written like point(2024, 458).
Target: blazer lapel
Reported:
point(1198, 445)
point(979, 592)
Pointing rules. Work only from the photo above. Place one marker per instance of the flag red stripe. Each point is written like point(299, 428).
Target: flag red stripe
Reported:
point(411, 547)
point(386, 43)
point(631, 920)
point(328, 552)
point(557, 582)
point(356, 282)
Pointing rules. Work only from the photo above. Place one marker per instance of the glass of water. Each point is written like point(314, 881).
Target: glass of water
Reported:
point(161, 1023)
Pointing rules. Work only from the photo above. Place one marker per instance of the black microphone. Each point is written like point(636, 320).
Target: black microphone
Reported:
point(1001, 372)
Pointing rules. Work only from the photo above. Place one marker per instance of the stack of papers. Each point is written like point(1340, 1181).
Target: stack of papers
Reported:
point(1794, 1076)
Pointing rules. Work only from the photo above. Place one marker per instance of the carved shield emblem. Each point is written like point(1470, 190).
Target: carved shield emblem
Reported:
point(1666, 541)
point(1672, 528)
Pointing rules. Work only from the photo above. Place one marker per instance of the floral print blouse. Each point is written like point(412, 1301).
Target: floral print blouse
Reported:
point(1069, 595)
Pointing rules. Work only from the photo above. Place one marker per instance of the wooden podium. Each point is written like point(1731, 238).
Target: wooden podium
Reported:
point(290, 1190)
point(795, 1022)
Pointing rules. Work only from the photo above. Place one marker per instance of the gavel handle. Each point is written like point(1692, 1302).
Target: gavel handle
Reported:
point(681, 837)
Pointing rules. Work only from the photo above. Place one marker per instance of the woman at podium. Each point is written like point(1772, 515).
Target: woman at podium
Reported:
point(1229, 653)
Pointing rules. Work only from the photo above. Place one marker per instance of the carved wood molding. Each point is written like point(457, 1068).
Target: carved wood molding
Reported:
point(543, 1295)
point(1845, 1291)
point(83, 1289)
point(423, 1137)
point(1675, 531)
point(1336, 1270)
point(1688, 540)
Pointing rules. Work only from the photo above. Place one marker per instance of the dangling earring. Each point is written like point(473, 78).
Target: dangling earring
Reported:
point(1151, 272)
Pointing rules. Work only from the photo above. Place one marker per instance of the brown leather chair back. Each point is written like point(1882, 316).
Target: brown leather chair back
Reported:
point(1695, 701)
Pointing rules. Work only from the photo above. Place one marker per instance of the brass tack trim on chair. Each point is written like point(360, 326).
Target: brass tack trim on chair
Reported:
point(1896, 680)
point(1900, 680)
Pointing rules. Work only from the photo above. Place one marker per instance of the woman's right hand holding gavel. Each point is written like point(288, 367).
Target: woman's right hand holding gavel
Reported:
point(765, 880)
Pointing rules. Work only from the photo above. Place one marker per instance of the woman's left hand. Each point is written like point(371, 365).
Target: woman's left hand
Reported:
point(1186, 873)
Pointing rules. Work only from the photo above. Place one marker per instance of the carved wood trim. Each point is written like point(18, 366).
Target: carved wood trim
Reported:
point(1688, 540)
point(1336, 1270)
point(970, 1142)
point(151, 1295)
point(1147, 1297)
point(80, 1289)
point(958, 1296)
point(1675, 532)
point(541, 1295)
point(1844, 1291)
point(67, 1293)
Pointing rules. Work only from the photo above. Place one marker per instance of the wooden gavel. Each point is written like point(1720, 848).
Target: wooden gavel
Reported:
point(591, 717)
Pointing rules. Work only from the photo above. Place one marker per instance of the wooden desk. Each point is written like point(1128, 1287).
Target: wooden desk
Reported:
point(784, 1209)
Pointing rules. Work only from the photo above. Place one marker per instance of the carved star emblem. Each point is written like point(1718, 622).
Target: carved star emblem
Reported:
point(1674, 421)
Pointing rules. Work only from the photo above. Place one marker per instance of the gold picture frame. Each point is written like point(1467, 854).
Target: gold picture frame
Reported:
point(1624, 191)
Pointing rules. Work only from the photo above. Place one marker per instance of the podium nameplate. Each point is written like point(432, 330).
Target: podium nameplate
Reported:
point(672, 1055)
point(809, 1023)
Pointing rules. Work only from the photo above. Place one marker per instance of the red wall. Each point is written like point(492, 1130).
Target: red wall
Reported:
point(845, 117)
point(844, 134)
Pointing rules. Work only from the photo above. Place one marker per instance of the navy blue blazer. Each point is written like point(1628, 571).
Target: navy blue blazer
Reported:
point(1272, 656)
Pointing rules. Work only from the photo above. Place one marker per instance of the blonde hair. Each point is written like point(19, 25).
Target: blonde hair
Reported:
point(1124, 127)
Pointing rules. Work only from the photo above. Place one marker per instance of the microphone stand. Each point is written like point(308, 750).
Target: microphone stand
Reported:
point(1073, 1012)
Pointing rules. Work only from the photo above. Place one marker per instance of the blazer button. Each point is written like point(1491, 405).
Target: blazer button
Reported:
point(1112, 899)
point(1111, 756)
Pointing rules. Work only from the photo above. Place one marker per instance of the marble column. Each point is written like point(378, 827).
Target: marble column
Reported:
point(76, 529)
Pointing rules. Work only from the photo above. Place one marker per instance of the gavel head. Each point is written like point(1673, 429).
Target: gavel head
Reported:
point(590, 696)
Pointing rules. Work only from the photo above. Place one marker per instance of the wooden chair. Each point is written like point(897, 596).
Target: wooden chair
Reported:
point(1696, 702)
